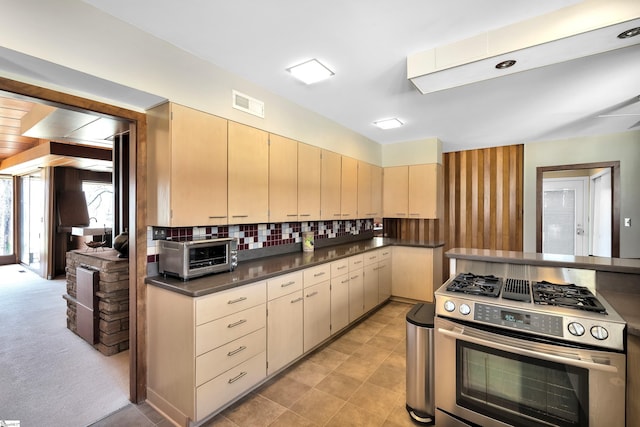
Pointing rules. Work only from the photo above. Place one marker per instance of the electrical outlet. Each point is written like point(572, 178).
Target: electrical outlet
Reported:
point(627, 222)
point(159, 233)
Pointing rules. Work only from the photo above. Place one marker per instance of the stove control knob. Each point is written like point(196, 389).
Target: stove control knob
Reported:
point(465, 309)
point(576, 329)
point(449, 306)
point(599, 333)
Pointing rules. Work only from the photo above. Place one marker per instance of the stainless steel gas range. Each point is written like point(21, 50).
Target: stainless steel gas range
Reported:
point(527, 346)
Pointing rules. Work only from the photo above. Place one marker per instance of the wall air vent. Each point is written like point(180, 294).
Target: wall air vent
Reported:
point(247, 104)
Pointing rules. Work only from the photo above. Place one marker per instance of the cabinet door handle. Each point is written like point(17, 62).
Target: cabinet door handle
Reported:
point(355, 277)
point(239, 216)
point(238, 323)
point(293, 301)
point(217, 217)
point(336, 214)
point(233, 301)
point(415, 214)
point(346, 214)
point(341, 267)
point(357, 262)
point(312, 294)
point(304, 214)
point(345, 281)
point(284, 285)
point(400, 213)
point(237, 350)
point(292, 214)
point(237, 377)
point(319, 274)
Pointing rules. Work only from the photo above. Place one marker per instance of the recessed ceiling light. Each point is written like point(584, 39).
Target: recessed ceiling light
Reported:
point(505, 64)
point(311, 71)
point(629, 33)
point(388, 123)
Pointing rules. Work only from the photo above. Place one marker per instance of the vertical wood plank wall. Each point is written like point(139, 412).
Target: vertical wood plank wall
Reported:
point(483, 193)
point(483, 203)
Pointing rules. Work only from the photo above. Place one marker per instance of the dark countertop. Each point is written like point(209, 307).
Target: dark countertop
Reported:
point(265, 268)
point(617, 265)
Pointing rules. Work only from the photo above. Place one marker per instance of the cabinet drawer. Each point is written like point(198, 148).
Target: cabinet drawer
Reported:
point(384, 253)
point(213, 394)
point(315, 275)
point(219, 332)
point(340, 267)
point(370, 257)
point(211, 364)
point(356, 262)
point(285, 284)
point(223, 303)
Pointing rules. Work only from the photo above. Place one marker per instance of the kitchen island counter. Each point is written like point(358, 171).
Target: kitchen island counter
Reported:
point(265, 268)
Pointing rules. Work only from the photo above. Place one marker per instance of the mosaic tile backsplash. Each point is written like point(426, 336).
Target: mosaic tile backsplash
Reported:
point(257, 236)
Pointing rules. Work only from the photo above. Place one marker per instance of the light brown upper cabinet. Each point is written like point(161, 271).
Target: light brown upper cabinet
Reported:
point(309, 167)
point(187, 167)
point(426, 191)
point(395, 202)
point(349, 188)
point(283, 179)
point(248, 174)
point(331, 181)
point(413, 191)
point(369, 190)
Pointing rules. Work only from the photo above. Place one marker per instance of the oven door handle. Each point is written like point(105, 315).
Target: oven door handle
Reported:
point(525, 352)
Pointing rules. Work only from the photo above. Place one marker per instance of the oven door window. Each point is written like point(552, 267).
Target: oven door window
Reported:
point(521, 390)
point(207, 255)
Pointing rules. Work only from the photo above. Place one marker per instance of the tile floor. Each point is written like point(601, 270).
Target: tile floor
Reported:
point(355, 380)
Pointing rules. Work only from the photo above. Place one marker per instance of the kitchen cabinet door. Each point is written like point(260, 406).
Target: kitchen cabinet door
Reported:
point(339, 302)
point(309, 167)
point(356, 293)
point(395, 192)
point(369, 190)
point(186, 167)
point(384, 278)
point(284, 330)
point(370, 277)
point(424, 183)
point(248, 174)
point(349, 188)
point(331, 181)
point(416, 272)
point(317, 314)
point(283, 179)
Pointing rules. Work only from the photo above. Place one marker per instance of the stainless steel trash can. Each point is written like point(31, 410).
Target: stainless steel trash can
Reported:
point(420, 370)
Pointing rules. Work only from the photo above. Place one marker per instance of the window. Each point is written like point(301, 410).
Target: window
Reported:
point(99, 197)
point(6, 215)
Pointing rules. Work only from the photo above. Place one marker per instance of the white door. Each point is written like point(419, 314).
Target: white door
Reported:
point(601, 214)
point(564, 216)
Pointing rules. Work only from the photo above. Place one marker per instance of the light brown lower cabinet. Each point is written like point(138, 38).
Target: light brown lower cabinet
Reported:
point(416, 272)
point(206, 352)
point(633, 380)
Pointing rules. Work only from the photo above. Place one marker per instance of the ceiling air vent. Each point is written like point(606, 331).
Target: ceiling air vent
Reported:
point(248, 104)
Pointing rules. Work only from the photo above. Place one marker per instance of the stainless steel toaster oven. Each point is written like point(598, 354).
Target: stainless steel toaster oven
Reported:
point(197, 258)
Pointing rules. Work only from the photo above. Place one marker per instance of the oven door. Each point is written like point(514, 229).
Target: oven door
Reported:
point(487, 378)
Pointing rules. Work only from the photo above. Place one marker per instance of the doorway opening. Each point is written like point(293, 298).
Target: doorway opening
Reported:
point(578, 209)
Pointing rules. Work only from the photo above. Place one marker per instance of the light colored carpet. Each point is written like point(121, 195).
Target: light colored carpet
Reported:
point(48, 374)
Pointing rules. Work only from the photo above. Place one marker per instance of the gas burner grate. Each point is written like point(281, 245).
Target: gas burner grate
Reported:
point(516, 290)
point(569, 296)
point(469, 283)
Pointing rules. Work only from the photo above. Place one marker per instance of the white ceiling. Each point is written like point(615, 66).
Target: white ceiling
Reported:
point(367, 42)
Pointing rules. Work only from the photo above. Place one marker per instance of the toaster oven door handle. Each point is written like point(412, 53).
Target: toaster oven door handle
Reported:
point(526, 352)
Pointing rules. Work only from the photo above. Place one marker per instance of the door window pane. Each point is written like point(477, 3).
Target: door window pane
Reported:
point(6, 215)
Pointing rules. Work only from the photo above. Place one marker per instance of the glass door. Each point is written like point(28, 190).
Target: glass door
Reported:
point(564, 216)
point(7, 254)
point(31, 225)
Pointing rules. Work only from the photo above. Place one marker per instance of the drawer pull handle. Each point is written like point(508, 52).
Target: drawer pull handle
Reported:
point(233, 301)
point(357, 262)
point(237, 350)
point(293, 301)
point(345, 281)
point(217, 217)
point(341, 267)
point(319, 274)
point(304, 215)
point(292, 214)
point(312, 294)
point(354, 277)
point(284, 285)
point(239, 216)
point(238, 323)
point(237, 377)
